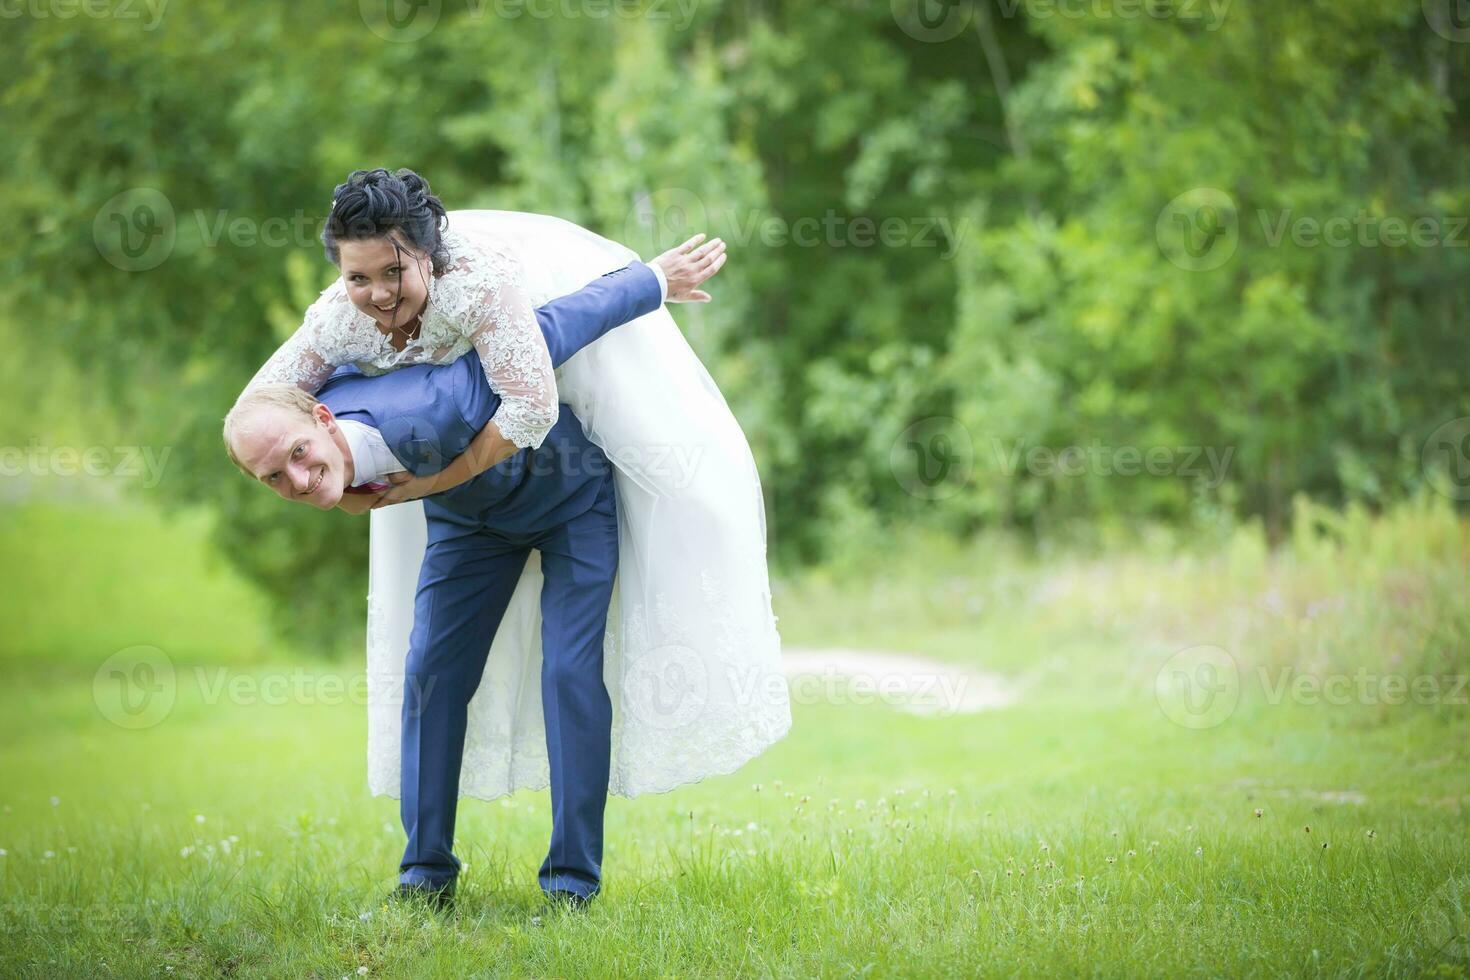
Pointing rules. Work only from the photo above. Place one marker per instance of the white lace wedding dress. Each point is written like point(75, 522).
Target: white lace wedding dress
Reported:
point(691, 655)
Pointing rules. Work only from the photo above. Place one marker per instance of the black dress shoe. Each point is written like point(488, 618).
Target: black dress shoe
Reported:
point(569, 901)
point(439, 898)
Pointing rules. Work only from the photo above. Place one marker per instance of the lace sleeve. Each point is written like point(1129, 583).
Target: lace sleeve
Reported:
point(311, 354)
point(502, 326)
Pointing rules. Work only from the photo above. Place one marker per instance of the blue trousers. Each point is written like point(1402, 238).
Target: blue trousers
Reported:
point(464, 589)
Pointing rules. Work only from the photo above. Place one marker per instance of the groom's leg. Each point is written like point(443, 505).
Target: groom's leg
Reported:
point(464, 588)
point(579, 560)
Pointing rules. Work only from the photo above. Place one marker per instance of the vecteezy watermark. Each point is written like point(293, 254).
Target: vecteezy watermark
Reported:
point(671, 215)
point(139, 687)
point(1450, 19)
point(1363, 686)
point(1198, 687)
point(1445, 460)
point(666, 467)
point(125, 462)
point(403, 21)
point(151, 10)
point(1200, 230)
point(135, 688)
point(1208, 463)
point(930, 693)
point(667, 687)
point(670, 687)
point(1363, 230)
point(677, 13)
point(138, 229)
point(135, 230)
point(934, 21)
point(666, 216)
point(400, 21)
point(932, 458)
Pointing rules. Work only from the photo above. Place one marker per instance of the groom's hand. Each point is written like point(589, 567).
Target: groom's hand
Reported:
point(688, 265)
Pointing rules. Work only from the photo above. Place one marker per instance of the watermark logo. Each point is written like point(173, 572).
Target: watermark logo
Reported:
point(670, 215)
point(1199, 230)
point(138, 688)
point(1198, 687)
point(153, 10)
point(146, 463)
point(936, 21)
point(1362, 687)
point(666, 217)
point(932, 21)
point(666, 687)
point(135, 688)
point(1450, 19)
point(1363, 230)
point(1445, 460)
point(1208, 464)
point(400, 21)
point(678, 13)
point(135, 230)
point(932, 458)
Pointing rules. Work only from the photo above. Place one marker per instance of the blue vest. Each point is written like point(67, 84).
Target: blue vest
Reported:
point(428, 415)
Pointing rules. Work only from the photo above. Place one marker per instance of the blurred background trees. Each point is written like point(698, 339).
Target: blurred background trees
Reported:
point(959, 232)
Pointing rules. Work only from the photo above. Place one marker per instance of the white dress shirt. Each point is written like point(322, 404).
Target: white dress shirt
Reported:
point(372, 461)
point(663, 284)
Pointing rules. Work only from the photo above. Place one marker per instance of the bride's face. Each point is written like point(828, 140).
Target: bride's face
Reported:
point(391, 286)
point(296, 456)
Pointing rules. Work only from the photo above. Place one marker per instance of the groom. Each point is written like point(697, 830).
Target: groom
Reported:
point(557, 498)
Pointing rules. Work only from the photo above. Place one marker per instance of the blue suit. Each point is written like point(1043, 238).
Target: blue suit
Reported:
point(557, 498)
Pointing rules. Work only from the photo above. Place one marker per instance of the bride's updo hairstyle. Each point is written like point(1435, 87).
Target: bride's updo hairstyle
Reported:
point(373, 203)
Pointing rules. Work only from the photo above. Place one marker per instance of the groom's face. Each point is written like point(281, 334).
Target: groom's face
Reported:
point(297, 456)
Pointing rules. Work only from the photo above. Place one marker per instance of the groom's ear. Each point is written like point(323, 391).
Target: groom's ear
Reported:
point(324, 415)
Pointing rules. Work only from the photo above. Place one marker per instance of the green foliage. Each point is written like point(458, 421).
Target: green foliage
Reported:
point(1035, 291)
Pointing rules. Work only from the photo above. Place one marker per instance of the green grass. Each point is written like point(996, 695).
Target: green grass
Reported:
point(1080, 831)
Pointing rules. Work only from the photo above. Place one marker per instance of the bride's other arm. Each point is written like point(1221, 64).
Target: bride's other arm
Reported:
point(517, 365)
point(308, 358)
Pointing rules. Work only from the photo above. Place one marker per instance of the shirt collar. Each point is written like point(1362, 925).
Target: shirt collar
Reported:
point(362, 454)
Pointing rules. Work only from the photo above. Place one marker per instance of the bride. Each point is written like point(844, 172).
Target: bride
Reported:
point(691, 655)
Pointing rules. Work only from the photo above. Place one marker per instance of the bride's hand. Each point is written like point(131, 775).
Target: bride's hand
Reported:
point(405, 487)
point(688, 265)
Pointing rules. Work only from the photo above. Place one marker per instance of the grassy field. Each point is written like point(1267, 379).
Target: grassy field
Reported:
point(1183, 786)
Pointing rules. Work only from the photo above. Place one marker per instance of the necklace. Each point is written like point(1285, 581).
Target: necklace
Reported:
point(409, 332)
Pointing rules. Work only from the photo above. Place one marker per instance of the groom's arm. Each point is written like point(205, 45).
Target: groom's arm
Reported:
point(571, 322)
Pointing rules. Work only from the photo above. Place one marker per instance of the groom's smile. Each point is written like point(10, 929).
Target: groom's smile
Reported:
point(321, 475)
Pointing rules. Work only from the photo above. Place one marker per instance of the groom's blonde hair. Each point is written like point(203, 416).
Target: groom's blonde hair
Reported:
point(248, 406)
